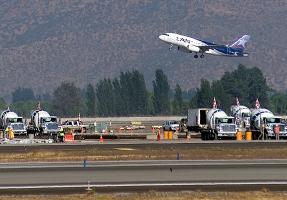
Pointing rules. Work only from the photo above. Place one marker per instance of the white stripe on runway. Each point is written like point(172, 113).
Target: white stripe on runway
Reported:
point(146, 185)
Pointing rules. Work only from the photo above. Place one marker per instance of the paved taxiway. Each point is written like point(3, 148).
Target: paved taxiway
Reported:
point(142, 173)
point(108, 144)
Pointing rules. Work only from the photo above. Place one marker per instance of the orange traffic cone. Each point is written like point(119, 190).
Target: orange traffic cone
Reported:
point(158, 135)
point(101, 139)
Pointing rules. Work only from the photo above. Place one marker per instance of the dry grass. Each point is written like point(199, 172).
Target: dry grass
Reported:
point(152, 195)
point(145, 154)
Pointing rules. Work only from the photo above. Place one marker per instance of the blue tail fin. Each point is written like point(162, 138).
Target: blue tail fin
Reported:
point(240, 43)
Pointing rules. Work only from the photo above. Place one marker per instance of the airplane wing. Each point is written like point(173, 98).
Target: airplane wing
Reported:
point(207, 47)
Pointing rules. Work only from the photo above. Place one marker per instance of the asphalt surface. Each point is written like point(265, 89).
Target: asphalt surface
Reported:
point(139, 175)
point(108, 144)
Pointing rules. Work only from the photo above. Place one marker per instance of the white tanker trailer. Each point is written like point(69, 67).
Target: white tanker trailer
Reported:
point(241, 115)
point(263, 120)
point(43, 123)
point(219, 125)
point(12, 120)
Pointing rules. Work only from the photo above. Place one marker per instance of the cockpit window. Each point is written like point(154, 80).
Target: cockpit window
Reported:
point(166, 34)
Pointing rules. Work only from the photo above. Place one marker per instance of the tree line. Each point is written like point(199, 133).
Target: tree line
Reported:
point(127, 95)
point(246, 84)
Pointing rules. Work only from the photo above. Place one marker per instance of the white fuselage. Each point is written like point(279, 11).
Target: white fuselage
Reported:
point(189, 45)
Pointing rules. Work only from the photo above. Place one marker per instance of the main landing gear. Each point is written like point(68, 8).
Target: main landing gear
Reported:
point(170, 47)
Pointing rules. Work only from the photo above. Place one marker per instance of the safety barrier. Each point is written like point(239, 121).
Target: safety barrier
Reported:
point(248, 135)
point(68, 137)
point(165, 135)
point(239, 135)
point(170, 133)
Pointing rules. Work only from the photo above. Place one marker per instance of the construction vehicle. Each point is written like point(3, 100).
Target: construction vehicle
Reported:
point(241, 115)
point(219, 125)
point(75, 126)
point(43, 123)
point(170, 125)
point(196, 119)
point(12, 120)
point(262, 123)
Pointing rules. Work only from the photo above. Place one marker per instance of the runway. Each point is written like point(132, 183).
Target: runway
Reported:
point(142, 175)
point(108, 144)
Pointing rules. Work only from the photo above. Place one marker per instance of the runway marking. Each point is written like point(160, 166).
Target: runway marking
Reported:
point(145, 185)
point(125, 149)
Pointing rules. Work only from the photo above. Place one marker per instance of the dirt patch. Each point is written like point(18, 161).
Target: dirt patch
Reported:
point(152, 195)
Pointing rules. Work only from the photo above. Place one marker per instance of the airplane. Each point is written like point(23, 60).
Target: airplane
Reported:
point(189, 45)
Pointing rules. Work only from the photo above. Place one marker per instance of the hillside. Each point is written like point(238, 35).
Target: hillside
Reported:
point(47, 42)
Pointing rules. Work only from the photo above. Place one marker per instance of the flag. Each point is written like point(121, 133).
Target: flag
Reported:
point(214, 105)
point(257, 104)
point(237, 102)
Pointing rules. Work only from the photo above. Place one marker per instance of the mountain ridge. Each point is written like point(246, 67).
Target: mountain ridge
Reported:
point(45, 43)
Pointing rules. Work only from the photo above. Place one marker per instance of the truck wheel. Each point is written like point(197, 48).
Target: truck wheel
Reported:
point(204, 135)
point(211, 136)
point(55, 138)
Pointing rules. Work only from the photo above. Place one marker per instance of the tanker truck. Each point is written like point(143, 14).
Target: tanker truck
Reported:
point(219, 125)
point(262, 122)
point(43, 123)
point(12, 120)
point(241, 115)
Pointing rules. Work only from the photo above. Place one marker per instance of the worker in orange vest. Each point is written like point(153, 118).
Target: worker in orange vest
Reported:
point(276, 131)
point(10, 133)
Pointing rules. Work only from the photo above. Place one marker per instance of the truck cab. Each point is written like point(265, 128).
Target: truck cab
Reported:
point(49, 124)
point(12, 120)
point(17, 125)
point(275, 121)
point(44, 123)
point(219, 125)
point(263, 121)
point(225, 127)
